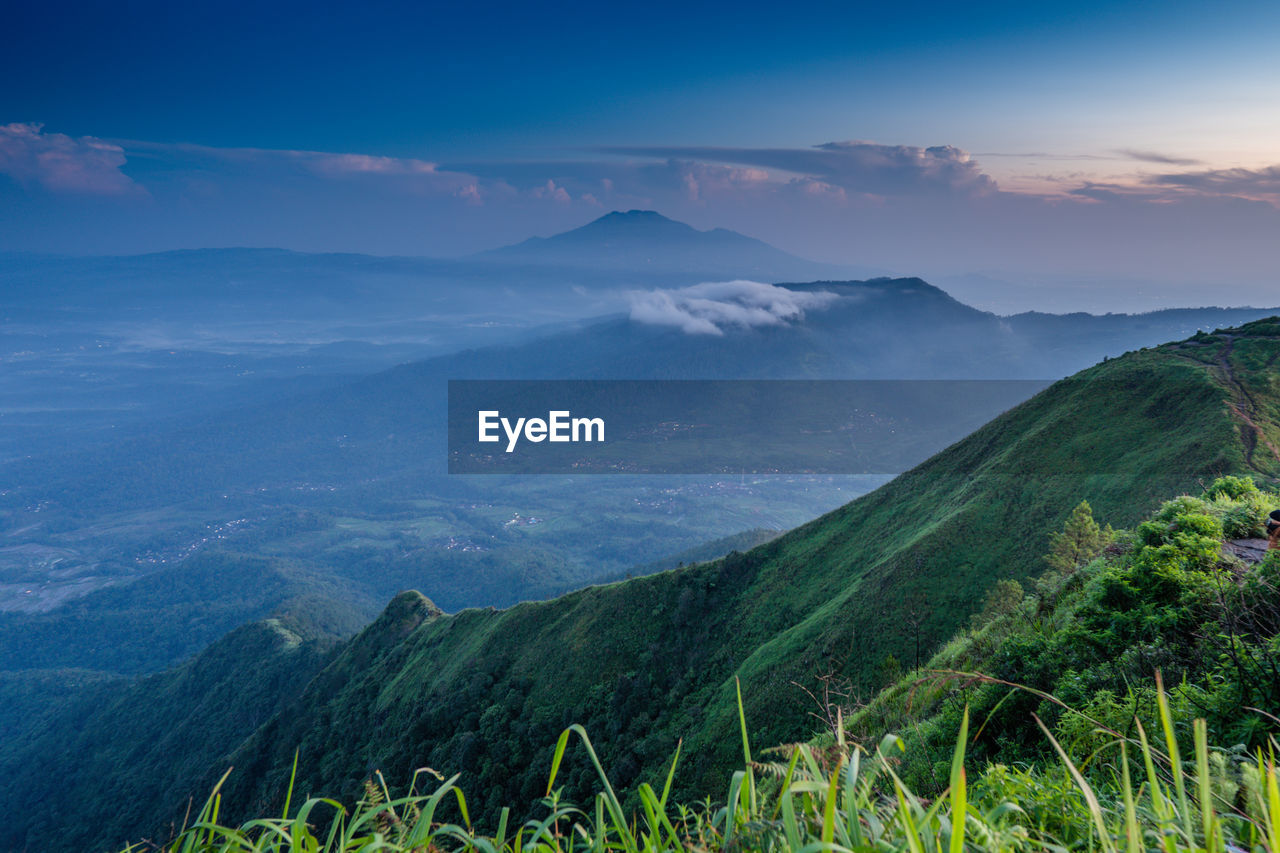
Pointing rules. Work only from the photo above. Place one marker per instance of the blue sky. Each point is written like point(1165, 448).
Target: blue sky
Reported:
point(504, 79)
point(1088, 138)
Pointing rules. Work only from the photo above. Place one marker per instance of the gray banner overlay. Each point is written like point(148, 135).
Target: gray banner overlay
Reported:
point(715, 426)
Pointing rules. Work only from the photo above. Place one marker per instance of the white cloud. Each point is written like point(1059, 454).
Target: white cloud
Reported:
point(857, 166)
point(549, 190)
point(61, 164)
point(1260, 184)
point(813, 188)
point(711, 307)
point(364, 164)
point(408, 175)
point(698, 180)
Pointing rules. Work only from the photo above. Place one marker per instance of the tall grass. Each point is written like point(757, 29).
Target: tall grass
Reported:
point(1135, 796)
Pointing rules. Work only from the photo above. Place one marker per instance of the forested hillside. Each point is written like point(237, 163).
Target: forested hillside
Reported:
point(154, 737)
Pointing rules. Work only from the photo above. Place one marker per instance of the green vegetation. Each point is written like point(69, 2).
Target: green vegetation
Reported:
point(133, 628)
point(1167, 596)
point(646, 664)
point(1079, 542)
point(839, 798)
point(164, 733)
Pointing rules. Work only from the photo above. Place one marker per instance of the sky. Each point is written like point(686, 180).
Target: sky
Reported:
point(1091, 141)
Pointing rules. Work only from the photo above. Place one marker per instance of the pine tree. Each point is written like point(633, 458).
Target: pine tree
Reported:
point(1003, 598)
point(1080, 541)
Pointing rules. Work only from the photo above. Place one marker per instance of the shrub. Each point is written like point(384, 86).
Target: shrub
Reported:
point(1235, 488)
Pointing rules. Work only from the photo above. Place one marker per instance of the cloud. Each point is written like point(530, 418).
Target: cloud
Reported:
point(813, 188)
point(550, 190)
point(711, 307)
point(1041, 155)
point(1256, 184)
point(61, 164)
point(1156, 157)
point(1111, 191)
point(401, 175)
point(639, 184)
point(363, 164)
point(701, 180)
point(861, 167)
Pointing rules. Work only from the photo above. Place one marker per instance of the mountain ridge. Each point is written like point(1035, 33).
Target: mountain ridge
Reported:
point(635, 224)
point(643, 240)
point(646, 662)
point(1132, 459)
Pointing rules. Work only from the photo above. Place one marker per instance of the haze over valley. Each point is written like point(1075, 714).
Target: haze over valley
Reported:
point(139, 450)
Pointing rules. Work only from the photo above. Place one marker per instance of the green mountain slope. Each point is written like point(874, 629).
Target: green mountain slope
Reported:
point(649, 661)
point(646, 662)
point(1189, 594)
point(160, 740)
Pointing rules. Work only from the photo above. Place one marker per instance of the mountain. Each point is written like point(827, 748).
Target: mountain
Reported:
point(880, 328)
point(647, 662)
point(364, 430)
point(317, 484)
point(644, 242)
point(241, 286)
point(99, 347)
point(192, 716)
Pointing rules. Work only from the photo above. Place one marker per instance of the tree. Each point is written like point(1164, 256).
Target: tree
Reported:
point(890, 671)
point(1004, 597)
point(1080, 541)
point(917, 606)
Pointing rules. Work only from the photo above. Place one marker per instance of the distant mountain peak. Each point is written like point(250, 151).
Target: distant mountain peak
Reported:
point(906, 286)
point(635, 225)
point(635, 215)
point(647, 240)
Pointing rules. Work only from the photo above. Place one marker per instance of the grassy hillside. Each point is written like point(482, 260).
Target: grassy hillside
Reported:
point(1097, 767)
point(649, 661)
point(154, 740)
point(646, 662)
point(1169, 596)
